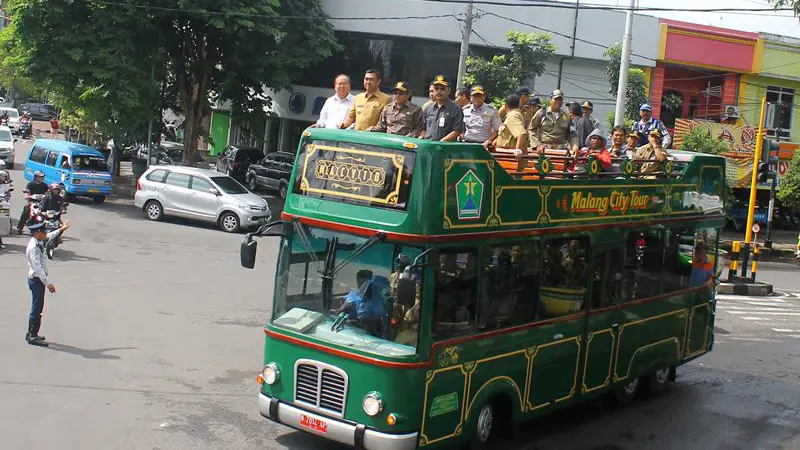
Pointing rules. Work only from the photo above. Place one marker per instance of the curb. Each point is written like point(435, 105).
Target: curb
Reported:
point(754, 289)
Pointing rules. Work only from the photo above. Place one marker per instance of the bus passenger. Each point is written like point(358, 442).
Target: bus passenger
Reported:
point(632, 144)
point(512, 133)
point(596, 147)
point(618, 146)
point(431, 97)
point(443, 120)
point(587, 107)
point(650, 123)
point(653, 153)
point(334, 111)
point(583, 126)
point(400, 116)
point(527, 110)
point(462, 97)
point(551, 126)
point(367, 106)
point(702, 268)
point(480, 119)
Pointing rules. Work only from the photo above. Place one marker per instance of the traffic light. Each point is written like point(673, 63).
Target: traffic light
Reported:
point(768, 149)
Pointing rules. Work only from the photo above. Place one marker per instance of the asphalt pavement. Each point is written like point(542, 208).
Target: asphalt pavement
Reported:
point(157, 337)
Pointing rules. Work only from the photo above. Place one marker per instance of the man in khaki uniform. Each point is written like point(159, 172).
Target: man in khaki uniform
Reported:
point(652, 151)
point(527, 110)
point(367, 106)
point(512, 132)
point(401, 116)
point(551, 126)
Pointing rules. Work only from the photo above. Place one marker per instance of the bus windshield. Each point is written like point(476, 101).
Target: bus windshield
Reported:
point(360, 308)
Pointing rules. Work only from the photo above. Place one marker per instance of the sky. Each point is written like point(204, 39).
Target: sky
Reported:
point(783, 23)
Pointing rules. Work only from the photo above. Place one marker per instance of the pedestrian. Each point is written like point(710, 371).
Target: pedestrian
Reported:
point(462, 97)
point(481, 120)
point(442, 120)
point(512, 133)
point(587, 107)
point(367, 106)
point(400, 116)
point(334, 111)
point(37, 275)
point(54, 126)
point(649, 123)
point(550, 127)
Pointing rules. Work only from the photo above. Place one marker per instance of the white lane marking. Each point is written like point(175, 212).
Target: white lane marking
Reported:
point(773, 319)
point(758, 308)
point(784, 330)
point(768, 313)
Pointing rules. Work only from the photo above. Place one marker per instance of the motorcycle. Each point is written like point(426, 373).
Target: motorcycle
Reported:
point(25, 128)
point(52, 223)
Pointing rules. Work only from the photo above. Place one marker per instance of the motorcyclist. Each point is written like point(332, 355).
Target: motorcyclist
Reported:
point(53, 200)
point(35, 187)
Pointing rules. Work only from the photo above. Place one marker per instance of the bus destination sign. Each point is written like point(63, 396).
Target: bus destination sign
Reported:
point(354, 173)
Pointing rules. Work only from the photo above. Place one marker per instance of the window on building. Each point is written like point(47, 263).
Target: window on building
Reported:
point(607, 280)
point(455, 310)
point(783, 114)
point(510, 285)
point(644, 263)
point(564, 277)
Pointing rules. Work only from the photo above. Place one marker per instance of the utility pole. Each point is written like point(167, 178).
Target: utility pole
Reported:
point(774, 181)
point(624, 67)
point(466, 31)
point(150, 122)
point(748, 236)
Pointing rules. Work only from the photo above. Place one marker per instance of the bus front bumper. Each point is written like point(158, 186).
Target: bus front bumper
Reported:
point(358, 436)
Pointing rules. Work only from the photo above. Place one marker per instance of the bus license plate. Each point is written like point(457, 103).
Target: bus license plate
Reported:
point(318, 425)
point(94, 190)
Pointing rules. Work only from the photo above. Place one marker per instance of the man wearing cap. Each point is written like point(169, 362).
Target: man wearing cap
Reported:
point(551, 126)
point(367, 106)
point(524, 94)
point(583, 125)
point(596, 146)
point(336, 107)
point(649, 123)
point(653, 153)
point(442, 120)
point(513, 134)
point(587, 107)
point(400, 116)
point(480, 119)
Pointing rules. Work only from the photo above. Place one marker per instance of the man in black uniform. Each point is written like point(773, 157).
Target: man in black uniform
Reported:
point(35, 187)
point(442, 120)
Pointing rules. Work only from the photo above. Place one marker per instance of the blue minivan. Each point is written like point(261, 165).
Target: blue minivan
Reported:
point(82, 169)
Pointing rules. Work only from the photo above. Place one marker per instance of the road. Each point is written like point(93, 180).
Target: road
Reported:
point(157, 339)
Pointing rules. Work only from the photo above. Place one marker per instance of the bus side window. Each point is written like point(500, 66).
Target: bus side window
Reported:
point(607, 279)
point(455, 310)
point(678, 259)
point(564, 279)
point(509, 287)
point(644, 263)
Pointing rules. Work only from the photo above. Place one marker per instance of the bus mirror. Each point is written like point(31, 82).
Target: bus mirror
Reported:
point(406, 288)
point(247, 252)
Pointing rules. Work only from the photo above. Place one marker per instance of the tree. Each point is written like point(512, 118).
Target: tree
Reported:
point(700, 140)
point(636, 91)
point(789, 190)
point(504, 73)
point(113, 59)
point(794, 4)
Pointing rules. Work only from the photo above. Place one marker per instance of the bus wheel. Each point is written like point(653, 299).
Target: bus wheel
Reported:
point(658, 381)
point(482, 427)
point(625, 393)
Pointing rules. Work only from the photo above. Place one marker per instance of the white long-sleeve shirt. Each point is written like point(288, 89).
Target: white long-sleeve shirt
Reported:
point(334, 111)
point(37, 261)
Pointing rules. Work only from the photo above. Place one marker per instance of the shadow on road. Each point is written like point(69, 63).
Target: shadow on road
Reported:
point(14, 249)
point(305, 441)
point(68, 255)
point(99, 353)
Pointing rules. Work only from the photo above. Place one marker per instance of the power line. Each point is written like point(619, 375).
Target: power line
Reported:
point(589, 6)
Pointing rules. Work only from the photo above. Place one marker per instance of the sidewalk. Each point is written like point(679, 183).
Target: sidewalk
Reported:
point(784, 244)
point(123, 186)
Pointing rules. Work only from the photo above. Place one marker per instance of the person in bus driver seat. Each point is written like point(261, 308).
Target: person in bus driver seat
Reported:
point(365, 304)
point(702, 268)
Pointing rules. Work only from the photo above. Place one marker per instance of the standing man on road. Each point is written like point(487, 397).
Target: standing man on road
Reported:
point(649, 123)
point(551, 126)
point(35, 187)
point(367, 106)
point(334, 111)
point(442, 120)
point(37, 275)
point(480, 119)
point(401, 116)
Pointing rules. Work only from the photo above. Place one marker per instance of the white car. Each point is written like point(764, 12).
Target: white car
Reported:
point(7, 146)
point(199, 194)
point(13, 118)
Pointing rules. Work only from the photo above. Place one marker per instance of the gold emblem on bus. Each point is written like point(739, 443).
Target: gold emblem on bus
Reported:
point(350, 173)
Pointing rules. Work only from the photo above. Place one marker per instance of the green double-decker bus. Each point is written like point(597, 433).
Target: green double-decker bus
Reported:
point(428, 294)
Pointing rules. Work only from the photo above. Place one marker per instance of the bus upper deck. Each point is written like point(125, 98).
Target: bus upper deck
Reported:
point(431, 191)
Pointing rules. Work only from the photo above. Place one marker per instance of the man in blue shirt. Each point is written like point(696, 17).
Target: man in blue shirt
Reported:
point(365, 304)
point(649, 123)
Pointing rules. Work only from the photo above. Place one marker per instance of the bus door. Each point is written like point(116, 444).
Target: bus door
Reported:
point(602, 323)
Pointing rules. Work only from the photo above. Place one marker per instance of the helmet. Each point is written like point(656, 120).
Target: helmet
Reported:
point(54, 186)
point(38, 174)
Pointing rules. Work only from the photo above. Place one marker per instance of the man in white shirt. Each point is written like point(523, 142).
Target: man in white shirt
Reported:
point(335, 109)
point(37, 275)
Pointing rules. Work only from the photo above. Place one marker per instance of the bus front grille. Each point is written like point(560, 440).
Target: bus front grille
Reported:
point(320, 386)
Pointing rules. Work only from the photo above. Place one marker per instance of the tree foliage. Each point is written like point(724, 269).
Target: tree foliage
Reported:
point(789, 190)
point(504, 73)
point(636, 91)
point(700, 140)
point(122, 62)
point(794, 4)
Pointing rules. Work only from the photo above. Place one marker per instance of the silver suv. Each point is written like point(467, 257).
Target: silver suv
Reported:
point(199, 194)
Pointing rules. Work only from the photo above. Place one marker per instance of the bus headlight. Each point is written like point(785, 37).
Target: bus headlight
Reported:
point(271, 373)
point(373, 404)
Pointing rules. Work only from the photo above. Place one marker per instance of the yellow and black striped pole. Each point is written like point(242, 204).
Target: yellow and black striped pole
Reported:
point(755, 261)
point(733, 264)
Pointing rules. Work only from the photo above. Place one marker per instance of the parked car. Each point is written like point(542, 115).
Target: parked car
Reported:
point(7, 147)
point(39, 111)
point(235, 160)
point(272, 172)
point(199, 194)
point(13, 118)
